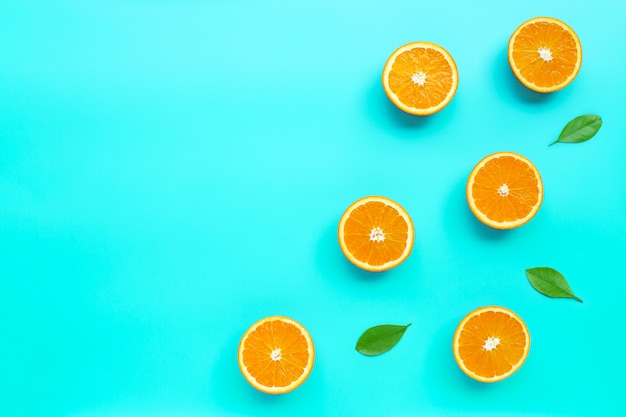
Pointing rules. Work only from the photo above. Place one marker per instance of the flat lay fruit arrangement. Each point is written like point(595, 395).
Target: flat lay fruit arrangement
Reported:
point(504, 190)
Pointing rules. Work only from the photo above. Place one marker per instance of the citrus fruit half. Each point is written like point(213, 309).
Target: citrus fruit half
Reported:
point(376, 233)
point(420, 78)
point(504, 190)
point(545, 54)
point(491, 343)
point(276, 355)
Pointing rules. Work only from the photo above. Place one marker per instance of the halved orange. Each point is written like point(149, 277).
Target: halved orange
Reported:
point(491, 343)
point(504, 190)
point(276, 355)
point(545, 54)
point(420, 78)
point(376, 233)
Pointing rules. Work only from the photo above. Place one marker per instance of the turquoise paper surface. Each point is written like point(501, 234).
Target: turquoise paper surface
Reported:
point(173, 171)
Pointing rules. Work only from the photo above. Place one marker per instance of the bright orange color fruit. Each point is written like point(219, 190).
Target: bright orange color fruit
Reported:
point(420, 78)
point(545, 54)
point(376, 233)
point(504, 190)
point(276, 355)
point(491, 343)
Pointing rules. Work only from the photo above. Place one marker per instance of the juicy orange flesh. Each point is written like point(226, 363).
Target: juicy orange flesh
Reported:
point(368, 217)
point(438, 81)
point(501, 359)
point(265, 340)
point(535, 69)
point(522, 184)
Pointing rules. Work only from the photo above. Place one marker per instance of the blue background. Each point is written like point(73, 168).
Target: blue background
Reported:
point(173, 171)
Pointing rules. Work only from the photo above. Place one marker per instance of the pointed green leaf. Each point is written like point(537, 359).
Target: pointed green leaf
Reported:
point(550, 282)
point(580, 129)
point(379, 339)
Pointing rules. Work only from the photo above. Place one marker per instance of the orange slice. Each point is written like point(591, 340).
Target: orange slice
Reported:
point(276, 355)
point(504, 190)
point(545, 54)
point(420, 78)
point(491, 343)
point(376, 233)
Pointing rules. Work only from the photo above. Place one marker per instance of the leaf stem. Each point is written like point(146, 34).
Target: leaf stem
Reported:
point(553, 142)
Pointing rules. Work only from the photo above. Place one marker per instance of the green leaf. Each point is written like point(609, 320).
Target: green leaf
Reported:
point(379, 339)
point(550, 282)
point(580, 129)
